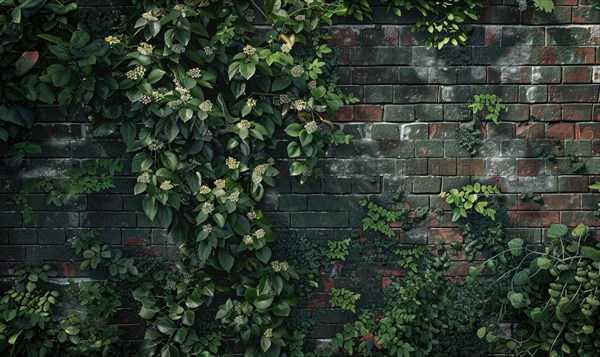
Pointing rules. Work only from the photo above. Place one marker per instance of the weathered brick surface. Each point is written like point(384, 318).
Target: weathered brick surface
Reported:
point(546, 67)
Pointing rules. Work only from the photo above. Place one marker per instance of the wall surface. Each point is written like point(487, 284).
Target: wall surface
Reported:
point(546, 67)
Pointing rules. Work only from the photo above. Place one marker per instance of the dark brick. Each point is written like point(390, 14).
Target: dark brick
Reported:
point(374, 75)
point(414, 131)
point(546, 74)
point(546, 112)
point(472, 74)
point(52, 236)
point(567, 36)
point(573, 184)
point(385, 132)
point(399, 113)
point(292, 203)
point(379, 56)
point(386, 36)
point(413, 75)
point(444, 75)
point(427, 184)
point(429, 112)
point(415, 94)
point(523, 36)
point(430, 148)
point(336, 185)
point(576, 112)
point(533, 94)
point(108, 219)
point(319, 220)
point(378, 94)
point(23, 236)
point(10, 219)
point(573, 93)
point(105, 202)
point(515, 74)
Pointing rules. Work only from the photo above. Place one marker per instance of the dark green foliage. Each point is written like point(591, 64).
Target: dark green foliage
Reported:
point(470, 137)
point(531, 197)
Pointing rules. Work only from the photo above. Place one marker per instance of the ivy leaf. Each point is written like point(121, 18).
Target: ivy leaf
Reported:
point(515, 246)
point(544, 263)
point(591, 253)
point(166, 326)
point(544, 5)
point(481, 332)
point(557, 231)
point(263, 302)
point(297, 168)
point(595, 186)
point(516, 299)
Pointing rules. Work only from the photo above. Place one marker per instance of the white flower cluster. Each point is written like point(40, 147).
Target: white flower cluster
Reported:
point(145, 48)
point(206, 106)
point(194, 73)
point(136, 73)
point(297, 71)
point(311, 127)
point(279, 266)
point(220, 183)
point(144, 178)
point(232, 163)
point(166, 186)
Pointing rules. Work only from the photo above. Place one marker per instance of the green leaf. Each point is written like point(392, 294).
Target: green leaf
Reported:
point(595, 186)
point(265, 343)
point(294, 130)
point(26, 62)
point(580, 231)
point(591, 253)
point(293, 149)
point(516, 299)
point(247, 70)
point(481, 332)
point(557, 231)
point(72, 330)
point(166, 326)
point(515, 246)
point(155, 75)
point(544, 5)
point(297, 168)
point(79, 39)
point(544, 263)
point(263, 302)
point(189, 317)
point(226, 260)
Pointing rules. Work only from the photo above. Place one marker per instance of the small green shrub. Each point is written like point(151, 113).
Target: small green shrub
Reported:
point(469, 198)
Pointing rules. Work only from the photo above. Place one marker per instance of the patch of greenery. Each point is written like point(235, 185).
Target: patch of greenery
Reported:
point(344, 299)
point(469, 198)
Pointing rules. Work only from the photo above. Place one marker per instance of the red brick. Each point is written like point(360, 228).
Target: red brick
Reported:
point(368, 113)
point(442, 130)
point(573, 74)
point(470, 167)
point(442, 167)
point(561, 130)
point(493, 34)
point(576, 112)
point(531, 131)
point(546, 112)
point(557, 202)
point(587, 131)
point(460, 268)
point(529, 167)
point(344, 114)
point(572, 219)
point(344, 37)
point(446, 235)
point(538, 219)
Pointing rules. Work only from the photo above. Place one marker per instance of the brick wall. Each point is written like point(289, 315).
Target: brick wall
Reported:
point(546, 67)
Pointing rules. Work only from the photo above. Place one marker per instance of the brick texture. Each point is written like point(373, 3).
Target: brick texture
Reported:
point(545, 66)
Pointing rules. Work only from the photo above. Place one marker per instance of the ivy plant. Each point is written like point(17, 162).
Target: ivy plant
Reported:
point(469, 198)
